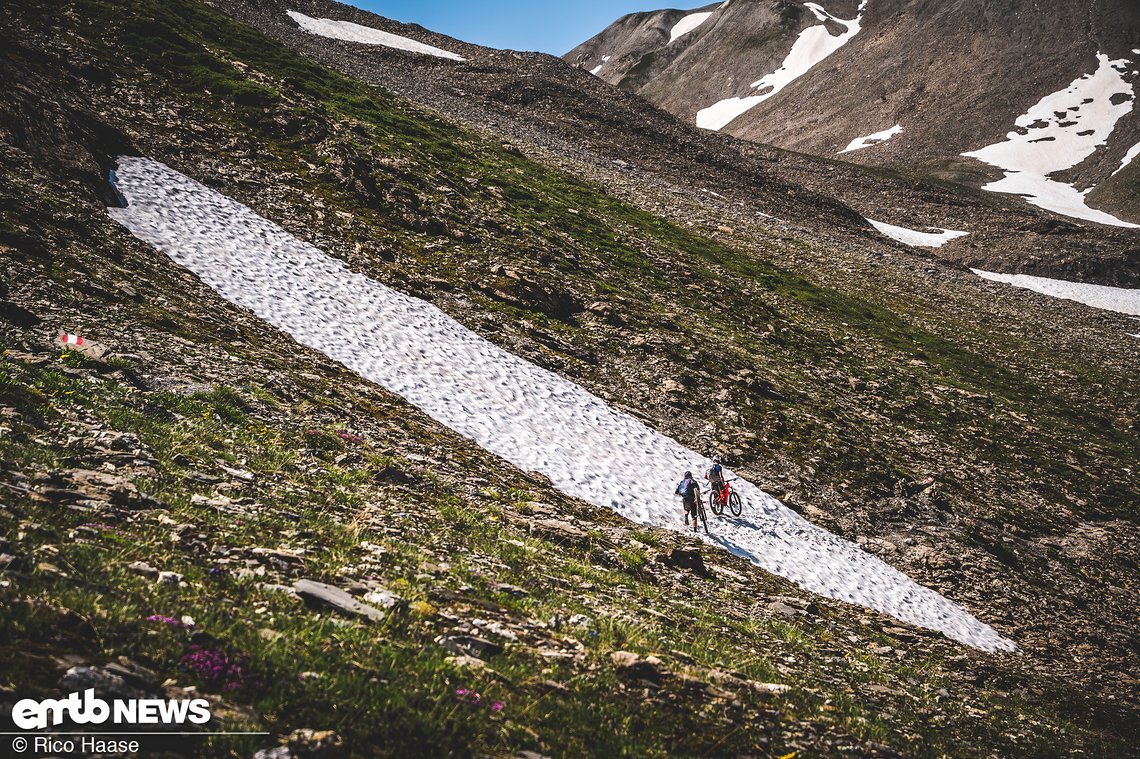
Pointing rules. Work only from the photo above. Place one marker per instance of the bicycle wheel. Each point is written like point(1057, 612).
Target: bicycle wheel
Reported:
point(716, 505)
point(734, 504)
point(701, 511)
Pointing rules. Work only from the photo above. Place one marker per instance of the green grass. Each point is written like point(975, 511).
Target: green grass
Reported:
point(387, 679)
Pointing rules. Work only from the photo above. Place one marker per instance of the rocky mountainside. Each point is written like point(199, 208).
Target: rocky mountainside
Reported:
point(927, 81)
point(541, 105)
point(179, 493)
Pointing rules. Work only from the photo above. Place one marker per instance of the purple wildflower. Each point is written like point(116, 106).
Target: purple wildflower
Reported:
point(217, 669)
point(473, 698)
point(165, 620)
point(468, 696)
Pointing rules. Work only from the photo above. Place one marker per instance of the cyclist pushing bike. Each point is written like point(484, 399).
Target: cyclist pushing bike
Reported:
point(715, 475)
point(720, 492)
point(690, 492)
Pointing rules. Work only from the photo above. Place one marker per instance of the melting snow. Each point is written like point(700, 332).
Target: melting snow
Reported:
point(1118, 299)
point(916, 238)
point(596, 69)
point(1061, 131)
point(872, 139)
point(1132, 152)
point(688, 24)
point(813, 45)
point(531, 417)
point(350, 32)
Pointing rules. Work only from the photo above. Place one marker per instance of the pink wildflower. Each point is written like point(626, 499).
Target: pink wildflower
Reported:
point(165, 620)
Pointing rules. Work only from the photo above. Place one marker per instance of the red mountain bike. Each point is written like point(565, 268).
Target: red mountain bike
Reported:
point(726, 495)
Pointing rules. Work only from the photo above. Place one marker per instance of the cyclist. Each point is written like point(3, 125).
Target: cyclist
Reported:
point(690, 493)
point(715, 476)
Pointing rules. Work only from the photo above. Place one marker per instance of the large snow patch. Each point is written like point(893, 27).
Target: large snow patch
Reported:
point(916, 238)
point(1132, 153)
point(872, 139)
point(1120, 299)
point(350, 32)
point(812, 45)
point(531, 417)
point(1061, 131)
point(688, 24)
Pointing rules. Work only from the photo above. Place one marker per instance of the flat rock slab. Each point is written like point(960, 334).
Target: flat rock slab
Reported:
point(92, 350)
point(633, 667)
point(686, 559)
point(560, 532)
point(469, 645)
point(784, 610)
point(321, 594)
point(383, 598)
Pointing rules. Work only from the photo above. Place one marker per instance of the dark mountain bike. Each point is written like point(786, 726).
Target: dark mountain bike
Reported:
point(701, 512)
point(725, 496)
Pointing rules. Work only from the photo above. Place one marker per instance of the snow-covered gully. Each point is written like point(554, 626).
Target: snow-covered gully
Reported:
point(531, 417)
point(915, 238)
point(688, 24)
point(1120, 299)
point(812, 45)
point(878, 138)
point(1062, 130)
point(366, 35)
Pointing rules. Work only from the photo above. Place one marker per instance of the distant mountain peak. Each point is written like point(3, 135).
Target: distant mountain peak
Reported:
point(898, 83)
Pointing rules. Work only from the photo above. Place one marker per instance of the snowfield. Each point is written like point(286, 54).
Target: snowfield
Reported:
point(1132, 153)
point(1120, 299)
point(813, 45)
point(914, 237)
point(596, 69)
point(1061, 131)
point(529, 416)
point(688, 24)
point(872, 139)
point(350, 32)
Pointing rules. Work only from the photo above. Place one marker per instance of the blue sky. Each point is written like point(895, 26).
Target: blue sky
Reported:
point(552, 26)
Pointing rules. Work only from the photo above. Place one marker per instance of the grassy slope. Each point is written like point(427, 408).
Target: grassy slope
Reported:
point(640, 263)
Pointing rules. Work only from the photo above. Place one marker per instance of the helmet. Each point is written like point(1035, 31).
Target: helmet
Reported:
point(688, 474)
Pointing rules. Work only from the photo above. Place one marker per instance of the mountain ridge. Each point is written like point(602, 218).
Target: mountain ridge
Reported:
point(535, 100)
point(954, 75)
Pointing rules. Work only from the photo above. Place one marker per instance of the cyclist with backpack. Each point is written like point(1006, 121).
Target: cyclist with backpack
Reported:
point(715, 476)
point(690, 493)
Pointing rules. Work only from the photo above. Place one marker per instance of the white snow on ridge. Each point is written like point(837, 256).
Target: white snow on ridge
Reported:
point(914, 237)
point(531, 417)
point(596, 69)
point(688, 24)
point(1119, 299)
point(1061, 130)
point(813, 45)
point(872, 139)
point(1132, 153)
point(350, 32)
